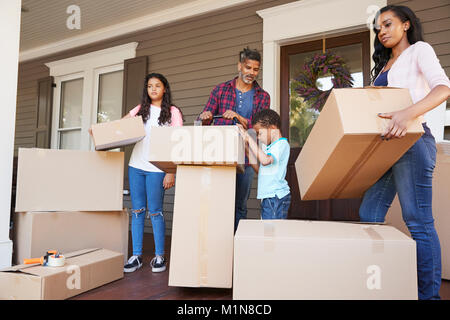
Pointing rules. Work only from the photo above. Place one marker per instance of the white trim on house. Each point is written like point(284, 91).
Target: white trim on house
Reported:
point(304, 21)
point(187, 10)
point(447, 118)
point(9, 33)
point(87, 66)
point(91, 60)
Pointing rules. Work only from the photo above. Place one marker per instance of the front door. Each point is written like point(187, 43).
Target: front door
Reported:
point(297, 116)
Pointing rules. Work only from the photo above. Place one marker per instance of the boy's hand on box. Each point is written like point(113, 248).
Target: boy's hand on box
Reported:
point(242, 131)
point(169, 181)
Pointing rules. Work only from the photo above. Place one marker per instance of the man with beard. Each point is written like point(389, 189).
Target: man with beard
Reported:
point(237, 101)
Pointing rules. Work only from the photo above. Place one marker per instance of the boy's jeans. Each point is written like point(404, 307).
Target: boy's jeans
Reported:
point(411, 177)
point(243, 185)
point(275, 208)
point(147, 192)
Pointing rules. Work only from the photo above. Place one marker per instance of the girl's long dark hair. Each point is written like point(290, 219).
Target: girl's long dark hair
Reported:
point(166, 104)
point(382, 54)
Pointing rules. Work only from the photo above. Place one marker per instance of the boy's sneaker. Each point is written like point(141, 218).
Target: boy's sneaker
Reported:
point(158, 264)
point(134, 263)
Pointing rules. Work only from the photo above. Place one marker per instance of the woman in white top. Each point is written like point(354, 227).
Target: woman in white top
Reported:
point(147, 182)
point(403, 60)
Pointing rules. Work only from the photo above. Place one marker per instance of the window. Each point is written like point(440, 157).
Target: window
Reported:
point(88, 90)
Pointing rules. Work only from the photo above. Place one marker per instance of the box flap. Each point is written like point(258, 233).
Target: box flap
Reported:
point(43, 271)
point(318, 230)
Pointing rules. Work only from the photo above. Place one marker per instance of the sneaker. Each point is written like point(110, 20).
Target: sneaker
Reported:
point(158, 264)
point(134, 263)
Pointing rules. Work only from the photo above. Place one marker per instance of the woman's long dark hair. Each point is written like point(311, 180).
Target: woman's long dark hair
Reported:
point(166, 104)
point(382, 54)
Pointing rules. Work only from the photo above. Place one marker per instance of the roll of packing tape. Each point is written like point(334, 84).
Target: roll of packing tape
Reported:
point(56, 262)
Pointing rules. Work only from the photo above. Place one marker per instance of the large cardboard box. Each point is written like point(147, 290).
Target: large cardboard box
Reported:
point(203, 225)
point(118, 133)
point(37, 232)
point(344, 154)
point(441, 206)
point(293, 259)
point(196, 145)
point(84, 270)
point(69, 180)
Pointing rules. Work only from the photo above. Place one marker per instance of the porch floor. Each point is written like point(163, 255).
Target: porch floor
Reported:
point(143, 284)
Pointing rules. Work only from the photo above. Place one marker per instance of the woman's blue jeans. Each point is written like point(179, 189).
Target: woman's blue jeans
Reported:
point(411, 177)
point(147, 193)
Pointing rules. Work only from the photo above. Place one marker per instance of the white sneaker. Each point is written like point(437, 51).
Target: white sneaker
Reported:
point(134, 263)
point(158, 264)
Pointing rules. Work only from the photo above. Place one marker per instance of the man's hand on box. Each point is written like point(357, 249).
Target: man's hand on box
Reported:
point(169, 181)
point(230, 115)
point(398, 126)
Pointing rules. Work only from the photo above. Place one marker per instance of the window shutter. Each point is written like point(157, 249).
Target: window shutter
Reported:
point(44, 112)
point(135, 71)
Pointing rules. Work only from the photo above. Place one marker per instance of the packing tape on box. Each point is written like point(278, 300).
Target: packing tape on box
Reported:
point(269, 232)
point(359, 163)
point(205, 209)
point(377, 239)
point(56, 261)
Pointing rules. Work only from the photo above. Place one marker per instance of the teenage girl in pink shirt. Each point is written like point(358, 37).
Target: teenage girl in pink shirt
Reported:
point(147, 182)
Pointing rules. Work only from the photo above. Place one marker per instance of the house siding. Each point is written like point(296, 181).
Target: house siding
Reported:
point(194, 54)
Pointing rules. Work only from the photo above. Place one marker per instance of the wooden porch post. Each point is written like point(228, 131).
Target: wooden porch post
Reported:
point(9, 55)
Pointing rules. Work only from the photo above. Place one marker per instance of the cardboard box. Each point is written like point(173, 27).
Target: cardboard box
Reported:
point(196, 145)
point(320, 260)
point(118, 133)
point(344, 154)
point(69, 180)
point(441, 206)
point(84, 270)
point(203, 225)
point(37, 232)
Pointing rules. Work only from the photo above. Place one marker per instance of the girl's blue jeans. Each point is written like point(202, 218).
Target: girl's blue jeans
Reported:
point(147, 193)
point(411, 177)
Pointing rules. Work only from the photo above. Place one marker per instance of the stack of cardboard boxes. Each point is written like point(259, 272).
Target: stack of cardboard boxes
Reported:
point(69, 201)
point(206, 160)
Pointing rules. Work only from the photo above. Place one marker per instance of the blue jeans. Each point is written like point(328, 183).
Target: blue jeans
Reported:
point(275, 208)
point(147, 192)
point(243, 185)
point(411, 177)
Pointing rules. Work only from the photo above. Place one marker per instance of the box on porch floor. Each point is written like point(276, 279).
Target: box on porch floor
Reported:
point(83, 270)
point(320, 260)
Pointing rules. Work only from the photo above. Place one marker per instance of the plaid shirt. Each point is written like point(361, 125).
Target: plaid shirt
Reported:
point(223, 98)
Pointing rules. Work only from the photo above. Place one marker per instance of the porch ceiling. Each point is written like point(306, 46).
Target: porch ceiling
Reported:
point(44, 22)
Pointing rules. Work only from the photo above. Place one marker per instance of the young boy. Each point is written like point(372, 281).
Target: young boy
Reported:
point(273, 188)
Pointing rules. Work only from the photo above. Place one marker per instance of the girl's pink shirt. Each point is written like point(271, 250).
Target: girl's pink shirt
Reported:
point(176, 117)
